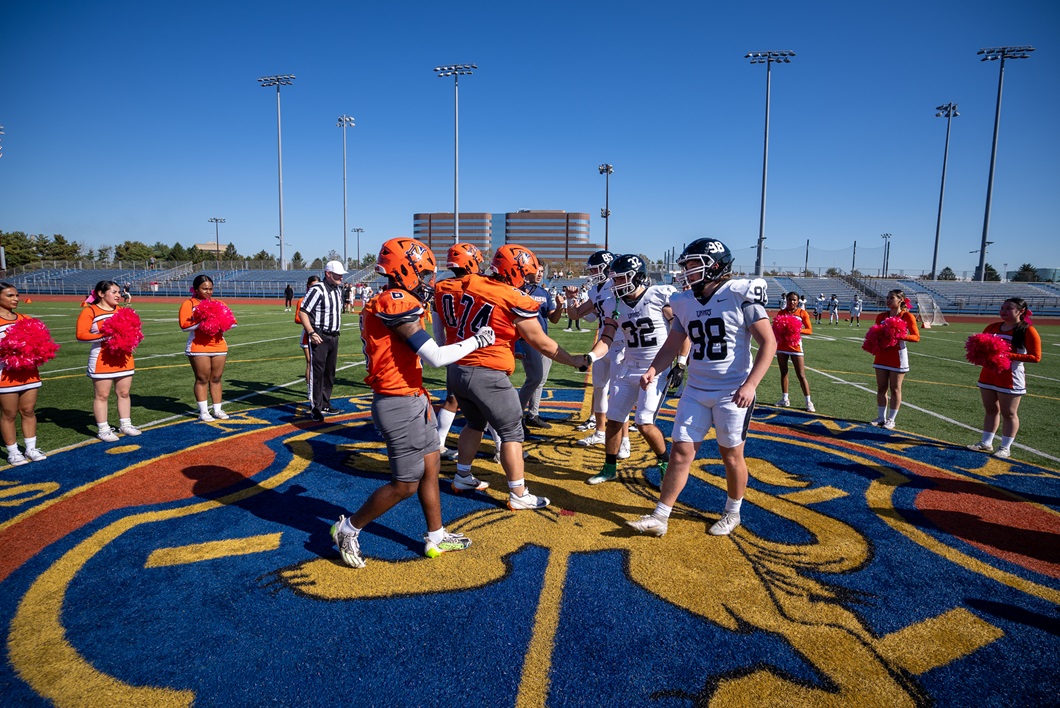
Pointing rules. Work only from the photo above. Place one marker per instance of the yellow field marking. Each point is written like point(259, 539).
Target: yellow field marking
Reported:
point(814, 496)
point(121, 449)
point(17, 494)
point(534, 681)
point(211, 550)
point(938, 641)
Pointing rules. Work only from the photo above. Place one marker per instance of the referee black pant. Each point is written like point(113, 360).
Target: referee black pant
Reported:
point(323, 358)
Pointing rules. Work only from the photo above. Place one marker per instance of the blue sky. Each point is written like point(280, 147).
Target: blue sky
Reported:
point(140, 121)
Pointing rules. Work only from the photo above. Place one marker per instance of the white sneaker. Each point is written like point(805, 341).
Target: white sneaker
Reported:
point(632, 427)
point(889, 424)
point(16, 458)
point(468, 483)
point(221, 415)
point(597, 438)
point(982, 447)
point(349, 546)
point(878, 422)
point(108, 436)
point(623, 449)
point(35, 455)
point(649, 524)
point(129, 430)
point(810, 408)
point(587, 425)
point(451, 542)
point(448, 454)
point(527, 501)
point(1003, 452)
point(784, 403)
point(725, 525)
point(206, 417)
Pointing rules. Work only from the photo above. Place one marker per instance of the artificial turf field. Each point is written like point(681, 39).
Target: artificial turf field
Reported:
point(193, 565)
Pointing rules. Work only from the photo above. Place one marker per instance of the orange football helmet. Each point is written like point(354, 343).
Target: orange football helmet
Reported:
point(514, 264)
point(410, 265)
point(465, 256)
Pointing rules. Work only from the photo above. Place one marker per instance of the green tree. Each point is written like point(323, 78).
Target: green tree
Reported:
point(178, 252)
point(317, 264)
point(833, 272)
point(1027, 274)
point(42, 247)
point(195, 255)
point(18, 248)
point(263, 256)
point(367, 260)
point(161, 251)
point(105, 254)
point(63, 250)
point(230, 254)
point(992, 276)
point(133, 251)
point(947, 274)
point(297, 263)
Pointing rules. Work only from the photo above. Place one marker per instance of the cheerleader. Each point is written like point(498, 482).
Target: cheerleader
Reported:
point(18, 390)
point(1001, 390)
point(305, 339)
point(207, 351)
point(892, 363)
point(108, 369)
point(792, 350)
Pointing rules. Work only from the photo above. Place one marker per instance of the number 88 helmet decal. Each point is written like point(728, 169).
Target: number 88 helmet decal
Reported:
point(628, 274)
point(598, 265)
point(410, 265)
point(704, 261)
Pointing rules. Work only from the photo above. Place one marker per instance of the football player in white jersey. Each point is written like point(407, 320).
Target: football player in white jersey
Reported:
point(598, 270)
point(642, 313)
point(719, 316)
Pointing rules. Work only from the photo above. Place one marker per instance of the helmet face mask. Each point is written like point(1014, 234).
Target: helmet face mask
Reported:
point(598, 266)
point(465, 256)
point(409, 265)
point(703, 261)
point(628, 275)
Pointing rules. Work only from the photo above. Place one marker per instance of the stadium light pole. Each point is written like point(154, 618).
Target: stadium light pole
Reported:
point(606, 170)
point(456, 71)
point(993, 54)
point(217, 237)
point(949, 112)
point(1, 141)
point(767, 58)
point(886, 254)
point(345, 121)
point(268, 82)
point(358, 230)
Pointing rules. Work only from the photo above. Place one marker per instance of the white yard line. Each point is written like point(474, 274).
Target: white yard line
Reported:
point(941, 417)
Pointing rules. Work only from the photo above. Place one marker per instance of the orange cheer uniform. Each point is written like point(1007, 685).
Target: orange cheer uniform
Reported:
point(807, 328)
point(199, 343)
point(393, 368)
point(297, 321)
point(896, 358)
point(491, 302)
point(102, 362)
point(446, 301)
point(1013, 380)
point(16, 380)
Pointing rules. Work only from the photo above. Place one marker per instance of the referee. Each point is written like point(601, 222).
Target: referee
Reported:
point(321, 316)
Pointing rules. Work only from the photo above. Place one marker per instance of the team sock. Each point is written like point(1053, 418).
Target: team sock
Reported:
point(12, 449)
point(445, 422)
point(1007, 441)
point(882, 410)
point(217, 409)
point(436, 536)
point(988, 437)
point(662, 511)
point(463, 470)
point(732, 506)
point(203, 406)
point(125, 422)
point(31, 443)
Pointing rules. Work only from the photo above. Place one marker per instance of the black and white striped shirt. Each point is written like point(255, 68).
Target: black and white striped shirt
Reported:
point(323, 304)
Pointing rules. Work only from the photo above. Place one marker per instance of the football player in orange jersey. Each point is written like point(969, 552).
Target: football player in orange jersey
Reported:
point(481, 380)
point(394, 343)
point(462, 259)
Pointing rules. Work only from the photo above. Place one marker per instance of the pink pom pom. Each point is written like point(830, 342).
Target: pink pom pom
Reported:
point(788, 331)
point(122, 332)
point(988, 350)
point(27, 345)
point(213, 317)
point(884, 335)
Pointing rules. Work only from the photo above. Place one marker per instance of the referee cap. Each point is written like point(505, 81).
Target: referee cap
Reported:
point(335, 267)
